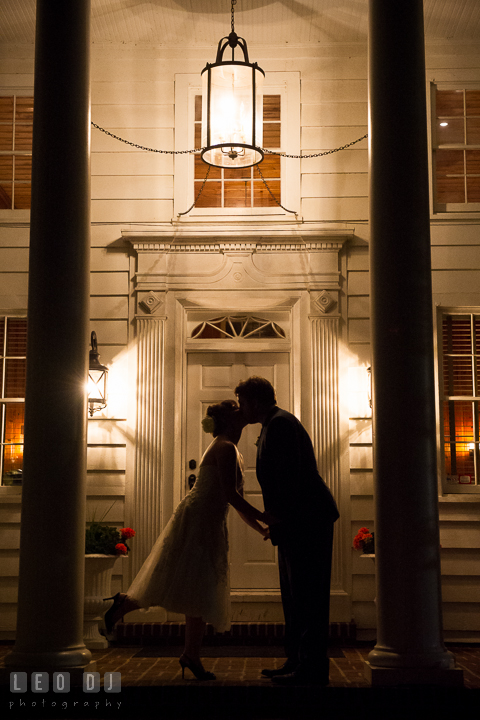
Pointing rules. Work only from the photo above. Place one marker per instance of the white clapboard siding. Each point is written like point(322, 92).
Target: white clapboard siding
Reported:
point(9, 563)
point(329, 138)
point(155, 138)
point(132, 187)
point(104, 283)
point(108, 510)
point(9, 536)
point(15, 237)
point(110, 332)
point(364, 614)
point(460, 561)
point(362, 507)
point(132, 211)
point(364, 587)
point(354, 160)
point(358, 283)
point(460, 534)
point(114, 259)
point(138, 93)
point(15, 259)
point(131, 163)
point(347, 91)
point(456, 257)
point(108, 307)
point(104, 431)
point(335, 185)
point(361, 483)
point(114, 481)
point(358, 330)
point(9, 590)
point(8, 618)
point(133, 116)
point(451, 281)
point(461, 589)
point(358, 306)
point(14, 283)
point(335, 209)
point(334, 114)
point(105, 457)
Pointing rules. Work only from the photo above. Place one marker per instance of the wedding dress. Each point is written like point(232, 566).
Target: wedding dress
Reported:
point(187, 570)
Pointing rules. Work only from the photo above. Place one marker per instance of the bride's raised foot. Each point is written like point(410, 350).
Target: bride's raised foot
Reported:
point(113, 615)
point(196, 668)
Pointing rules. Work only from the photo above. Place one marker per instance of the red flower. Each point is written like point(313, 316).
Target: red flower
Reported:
point(127, 533)
point(364, 530)
point(121, 549)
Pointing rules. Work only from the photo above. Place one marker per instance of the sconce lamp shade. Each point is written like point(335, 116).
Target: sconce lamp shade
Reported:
point(232, 109)
point(97, 380)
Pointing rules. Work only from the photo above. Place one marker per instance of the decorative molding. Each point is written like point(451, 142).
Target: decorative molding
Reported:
point(231, 247)
point(149, 440)
point(151, 302)
point(326, 419)
point(325, 301)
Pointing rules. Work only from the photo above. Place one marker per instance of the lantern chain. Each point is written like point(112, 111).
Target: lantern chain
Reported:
point(271, 193)
point(199, 193)
point(234, 2)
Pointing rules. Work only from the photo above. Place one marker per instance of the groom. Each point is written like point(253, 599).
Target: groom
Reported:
point(302, 513)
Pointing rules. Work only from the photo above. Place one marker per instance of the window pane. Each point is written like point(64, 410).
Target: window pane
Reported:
point(13, 439)
point(234, 174)
point(238, 194)
point(211, 194)
point(6, 137)
point(473, 189)
point(458, 376)
point(198, 136)
point(473, 161)
point(473, 131)
point(450, 190)
point(271, 135)
point(23, 167)
point(15, 371)
point(201, 169)
point(449, 102)
point(5, 196)
point(24, 110)
point(261, 196)
point(271, 107)
point(16, 337)
point(472, 98)
point(450, 162)
point(270, 166)
point(459, 441)
point(476, 325)
point(198, 108)
point(23, 137)
point(6, 109)
point(452, 133)
point(6, 167)
point(2, 334)
point(457, 334)
point(22, 196)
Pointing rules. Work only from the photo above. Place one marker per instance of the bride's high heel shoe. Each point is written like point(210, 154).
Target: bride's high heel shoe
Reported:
point(111, 612)
point(198, 670)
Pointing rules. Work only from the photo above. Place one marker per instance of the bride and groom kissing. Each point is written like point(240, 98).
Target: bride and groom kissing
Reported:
point(187, 570)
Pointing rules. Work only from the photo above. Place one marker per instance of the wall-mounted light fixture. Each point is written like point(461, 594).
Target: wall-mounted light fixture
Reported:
point(97, 380)
point(232, 107)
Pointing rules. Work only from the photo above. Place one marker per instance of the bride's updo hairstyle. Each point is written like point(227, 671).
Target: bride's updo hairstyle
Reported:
point(222, 415)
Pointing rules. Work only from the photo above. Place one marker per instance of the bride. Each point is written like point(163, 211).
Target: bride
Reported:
point(187, 570)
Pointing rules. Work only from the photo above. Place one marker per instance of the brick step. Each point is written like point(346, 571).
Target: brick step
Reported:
point(247, 633)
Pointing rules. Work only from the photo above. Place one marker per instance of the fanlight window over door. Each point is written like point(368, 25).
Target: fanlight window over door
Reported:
point(237, 326)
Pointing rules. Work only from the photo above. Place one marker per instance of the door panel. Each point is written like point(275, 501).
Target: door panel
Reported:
point(212, 377)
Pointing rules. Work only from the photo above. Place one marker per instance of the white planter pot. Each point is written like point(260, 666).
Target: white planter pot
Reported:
point(98, 580)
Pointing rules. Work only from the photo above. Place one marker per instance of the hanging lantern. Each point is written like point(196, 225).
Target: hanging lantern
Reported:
point(97, 380)
point(232, 108)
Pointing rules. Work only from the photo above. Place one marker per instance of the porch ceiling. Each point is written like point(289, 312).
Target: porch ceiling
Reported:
point(201, 23)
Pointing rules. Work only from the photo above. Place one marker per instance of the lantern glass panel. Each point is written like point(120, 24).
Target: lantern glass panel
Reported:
point(228, 125)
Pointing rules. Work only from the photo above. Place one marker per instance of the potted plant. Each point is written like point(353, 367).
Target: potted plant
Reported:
point(103, 545)
point(364, 540)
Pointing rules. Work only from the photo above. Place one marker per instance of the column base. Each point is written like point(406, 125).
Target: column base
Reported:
point(382, 676)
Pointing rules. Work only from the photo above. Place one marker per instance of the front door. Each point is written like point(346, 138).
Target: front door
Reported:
point(212, 377)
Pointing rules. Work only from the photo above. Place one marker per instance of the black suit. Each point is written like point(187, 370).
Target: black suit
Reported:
point(294, 492)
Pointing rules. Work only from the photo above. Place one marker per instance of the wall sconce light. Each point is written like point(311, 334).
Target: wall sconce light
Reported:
point(232, 107)
point(97, 380)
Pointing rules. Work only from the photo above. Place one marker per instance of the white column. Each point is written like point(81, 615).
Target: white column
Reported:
point(149, 438)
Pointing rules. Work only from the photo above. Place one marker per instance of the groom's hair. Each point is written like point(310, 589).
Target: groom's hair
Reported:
point(258, 389)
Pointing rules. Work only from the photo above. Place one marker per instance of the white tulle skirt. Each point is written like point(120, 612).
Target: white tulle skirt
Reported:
point(187, 570)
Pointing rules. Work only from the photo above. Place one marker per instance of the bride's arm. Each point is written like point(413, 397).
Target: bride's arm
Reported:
point(227, 464)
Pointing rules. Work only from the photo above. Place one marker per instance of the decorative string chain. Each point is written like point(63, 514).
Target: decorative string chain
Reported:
point(196, 150)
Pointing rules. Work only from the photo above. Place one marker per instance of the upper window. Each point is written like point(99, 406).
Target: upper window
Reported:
point(13, 348)
point(460, 400)
point(244, 187)
point(16, 123)
point(239, 192)
point(457, 150)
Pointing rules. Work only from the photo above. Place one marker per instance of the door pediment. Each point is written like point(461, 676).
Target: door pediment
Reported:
point(296, 257)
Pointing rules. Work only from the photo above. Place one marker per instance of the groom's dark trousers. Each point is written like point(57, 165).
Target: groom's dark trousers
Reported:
point(296, 495)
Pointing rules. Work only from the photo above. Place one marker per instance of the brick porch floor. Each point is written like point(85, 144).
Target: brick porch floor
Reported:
point(152, 687)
